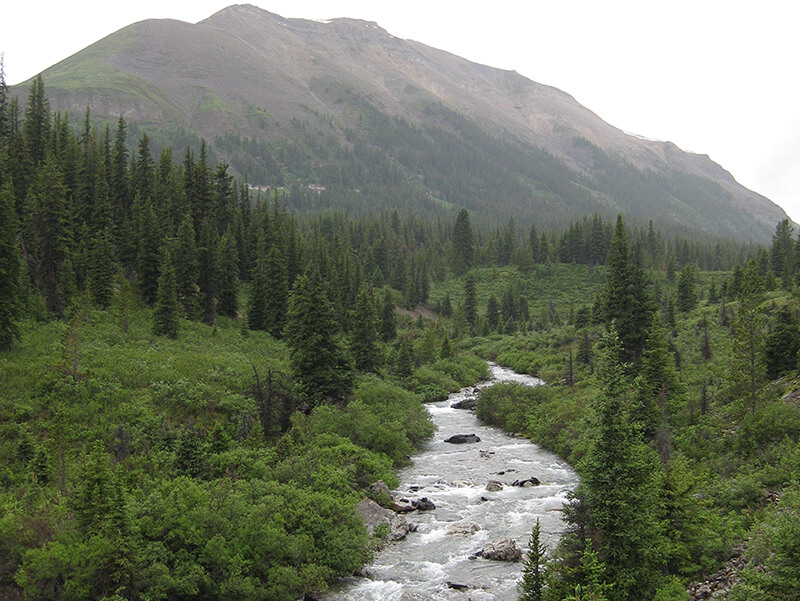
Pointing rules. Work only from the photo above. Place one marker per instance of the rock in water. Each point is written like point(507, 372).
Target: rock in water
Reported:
point(374, 515)
point(503, 549)
point(424, 504)
point(462, 438)
point(527, 482)
point(494, 486)
point(469, 403)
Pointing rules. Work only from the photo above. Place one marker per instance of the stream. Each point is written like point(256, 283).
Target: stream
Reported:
point(454, 477)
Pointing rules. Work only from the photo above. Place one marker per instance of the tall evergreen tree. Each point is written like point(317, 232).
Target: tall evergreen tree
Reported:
point(748, 371)
point(533, 569)
point(207, 269)
point(227, 277)
point(470, 300)
point(687, 295)
point(782, 344)
point(38, 125)
point(388, 325)
point(618, 484)
point(47, 202)
point(101, 269)
point(149, 251)
point(10, 269)
point(319, 364)
point(257, 304)
point(364, 331)
point(626, 301)
point(278, 286)
point(463, 243)
point(186, 269)
point(165, 314)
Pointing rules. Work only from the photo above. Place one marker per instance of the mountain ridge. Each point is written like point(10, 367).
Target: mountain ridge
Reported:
point(249, 72)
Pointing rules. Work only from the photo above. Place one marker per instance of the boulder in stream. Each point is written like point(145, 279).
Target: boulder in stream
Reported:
point(424, 504)
point(468, 403)
point(502, 549)
point(532, 481)
point(494, 486)
point(373, 515)
point(463, 438)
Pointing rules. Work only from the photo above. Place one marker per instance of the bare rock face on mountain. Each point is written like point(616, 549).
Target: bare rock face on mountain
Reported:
point(325, 96)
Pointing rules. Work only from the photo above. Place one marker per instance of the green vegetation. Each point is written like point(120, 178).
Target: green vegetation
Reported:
point(199, 386)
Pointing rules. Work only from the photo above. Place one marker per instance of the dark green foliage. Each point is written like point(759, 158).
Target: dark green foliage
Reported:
point(470, 307)
point(533, 569)
point(687, 295)
point(277, 292)
point(320, 367)
point(207, 268)
point(364, 331)
point(463, 244)
point(47, 210)
point(492, 313)
point(388, 319)
point(11, 305)
point(617, 482)
point(149, 255)
point(626, 300)
point(101, 270)
point(165, 313)
point(657, 384)
point(782, 344)
point(404, 360)
point(257, 304)
point(748, 364)
point(227, 268)
point(187, 270)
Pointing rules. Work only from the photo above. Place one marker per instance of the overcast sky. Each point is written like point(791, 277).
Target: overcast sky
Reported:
point(715, 77)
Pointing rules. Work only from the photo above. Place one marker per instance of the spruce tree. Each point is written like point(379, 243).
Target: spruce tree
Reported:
point(101, 270)
point(388, 318)
point(319, 364)
point(782, 344)
point(748, 354)
point(227, 277)
point(186, 269)
point(277, 292)
point(533, 569)
point(165, 314)
point(149, 251)
point(687, 295)
point(470, 300)
point(47, 202)
point(492, 313)
point(364, 331)
point(463, 243)
point(626, 301)
point(257, 304)
point(10, 269)
point(619, 488)
point(207, 269)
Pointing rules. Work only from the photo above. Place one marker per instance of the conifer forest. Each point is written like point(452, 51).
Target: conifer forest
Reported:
point(199, 380)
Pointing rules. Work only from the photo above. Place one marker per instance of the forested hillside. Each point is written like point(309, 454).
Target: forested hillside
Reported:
point(199, 383)
point(372, 122)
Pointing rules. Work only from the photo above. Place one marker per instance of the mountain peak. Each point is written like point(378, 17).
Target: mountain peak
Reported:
point(324, 94)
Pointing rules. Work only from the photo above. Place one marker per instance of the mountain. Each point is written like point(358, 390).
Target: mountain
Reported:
point(354, 117)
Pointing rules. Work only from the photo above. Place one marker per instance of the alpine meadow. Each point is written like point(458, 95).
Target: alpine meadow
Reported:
point(243, 262)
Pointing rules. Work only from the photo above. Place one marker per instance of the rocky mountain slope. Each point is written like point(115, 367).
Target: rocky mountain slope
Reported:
point(347, 107)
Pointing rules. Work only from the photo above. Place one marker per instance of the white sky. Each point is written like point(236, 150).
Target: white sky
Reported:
point(718, 77)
